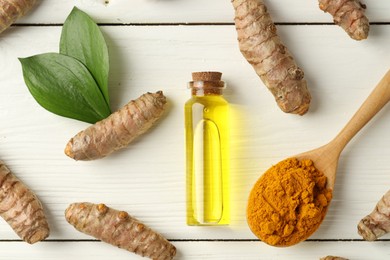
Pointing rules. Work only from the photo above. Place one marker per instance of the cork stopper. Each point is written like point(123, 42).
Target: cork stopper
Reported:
point(206, 83)
point(206, 76)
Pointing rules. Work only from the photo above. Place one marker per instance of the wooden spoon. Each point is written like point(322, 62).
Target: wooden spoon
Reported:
point(325, 160)
point(326, 157)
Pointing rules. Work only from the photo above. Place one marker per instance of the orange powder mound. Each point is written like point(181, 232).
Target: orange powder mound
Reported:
point(288, 203)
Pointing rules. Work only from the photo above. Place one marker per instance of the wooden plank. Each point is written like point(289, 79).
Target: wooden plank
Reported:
point(188, 11)
point(209, 250)
point(148, 178)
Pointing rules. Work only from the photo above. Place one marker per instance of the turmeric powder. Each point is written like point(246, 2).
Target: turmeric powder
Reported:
point(288, 203)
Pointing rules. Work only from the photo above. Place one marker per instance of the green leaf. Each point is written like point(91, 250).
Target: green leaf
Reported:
point(64, 86)
point(82, 39)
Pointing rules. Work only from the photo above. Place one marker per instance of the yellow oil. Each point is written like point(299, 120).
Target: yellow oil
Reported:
point(207, 153)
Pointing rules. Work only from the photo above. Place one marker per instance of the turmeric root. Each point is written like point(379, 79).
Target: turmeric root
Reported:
point(11, 10)
point(119, 229)
point(349, 14)
point(377, 223)
point(21, 208)
point(329, 257)
point(117, 130)
point(263, 49)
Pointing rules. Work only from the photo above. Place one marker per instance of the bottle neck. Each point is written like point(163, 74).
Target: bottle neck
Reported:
point(206, 88)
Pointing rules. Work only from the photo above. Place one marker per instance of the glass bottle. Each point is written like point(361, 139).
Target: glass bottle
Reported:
point(207, 151)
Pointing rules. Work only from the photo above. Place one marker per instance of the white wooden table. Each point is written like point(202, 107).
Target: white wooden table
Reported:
point(156, 45)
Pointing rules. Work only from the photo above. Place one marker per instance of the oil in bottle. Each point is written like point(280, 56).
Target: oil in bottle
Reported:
point(207, 151)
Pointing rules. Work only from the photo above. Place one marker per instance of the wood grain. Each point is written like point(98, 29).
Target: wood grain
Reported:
point(209, 250)
point(187, 11)
point(148, 178)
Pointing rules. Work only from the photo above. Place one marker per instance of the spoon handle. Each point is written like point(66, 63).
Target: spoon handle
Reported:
point(373, 104)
